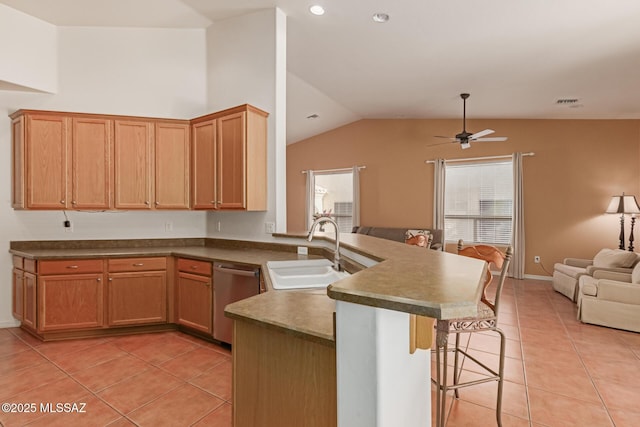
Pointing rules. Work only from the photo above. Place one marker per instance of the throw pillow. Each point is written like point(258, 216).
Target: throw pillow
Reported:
point(417, 238)
point(614, 258)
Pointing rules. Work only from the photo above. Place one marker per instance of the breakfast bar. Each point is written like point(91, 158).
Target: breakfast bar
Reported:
point(378, 381)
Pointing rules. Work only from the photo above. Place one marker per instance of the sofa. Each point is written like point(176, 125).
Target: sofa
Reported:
point(435, 236)
point(610, 299)
point(566, 274)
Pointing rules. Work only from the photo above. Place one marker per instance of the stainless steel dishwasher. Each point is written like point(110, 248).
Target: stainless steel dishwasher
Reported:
point(231, 283)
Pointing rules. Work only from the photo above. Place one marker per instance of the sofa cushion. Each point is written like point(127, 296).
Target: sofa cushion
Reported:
point(614, 258)
point(635, 274)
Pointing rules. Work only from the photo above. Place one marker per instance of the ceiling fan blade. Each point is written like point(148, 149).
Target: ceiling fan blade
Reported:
point(482, 133)
point(493, 139)
point(442, 143)
point(447, 137)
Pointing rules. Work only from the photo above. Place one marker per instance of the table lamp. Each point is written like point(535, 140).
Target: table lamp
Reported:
point(624, 205)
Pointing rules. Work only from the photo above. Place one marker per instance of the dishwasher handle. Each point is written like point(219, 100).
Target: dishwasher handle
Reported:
point(235, 271)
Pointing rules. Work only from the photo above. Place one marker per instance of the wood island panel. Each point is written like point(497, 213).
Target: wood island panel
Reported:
point(281, 380)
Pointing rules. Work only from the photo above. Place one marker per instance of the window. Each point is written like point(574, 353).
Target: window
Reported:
point(334, 197)
point(479, 202)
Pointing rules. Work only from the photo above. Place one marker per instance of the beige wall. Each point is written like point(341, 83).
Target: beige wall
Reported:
point(577, 167)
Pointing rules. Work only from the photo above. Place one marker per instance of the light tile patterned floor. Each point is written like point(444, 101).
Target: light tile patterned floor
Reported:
point(559, 373)
point(164, 379)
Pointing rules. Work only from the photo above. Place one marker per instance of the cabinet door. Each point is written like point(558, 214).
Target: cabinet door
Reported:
point(46, 161)
point(18, 294)
point(30, 300)
point(203, 170)
point(137, 298)
point(71, 301)
point(133, 168)
point(172, 166)
point(231, 163)
point(195, 301)
point(91, 171)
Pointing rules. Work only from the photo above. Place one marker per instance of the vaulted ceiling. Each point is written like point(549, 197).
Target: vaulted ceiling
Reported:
point(516, 58)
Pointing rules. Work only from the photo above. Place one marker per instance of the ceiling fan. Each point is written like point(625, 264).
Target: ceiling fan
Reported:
point(464, 137)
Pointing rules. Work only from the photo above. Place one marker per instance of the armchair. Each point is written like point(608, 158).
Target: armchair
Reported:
point(610, 299)
point(566, 275)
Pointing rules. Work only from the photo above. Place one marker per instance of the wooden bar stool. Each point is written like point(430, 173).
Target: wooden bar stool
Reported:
point(486, 320)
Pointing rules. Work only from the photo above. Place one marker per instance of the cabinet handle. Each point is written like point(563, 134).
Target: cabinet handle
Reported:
point(194, 267)
point(146, 202)
point(157, 203)
point(219, 202)
point(110, 279)
point(62, 202)
point(72, 266)
point(99, 279)
point(139, 264)
point(207, 284)
point(73, 202)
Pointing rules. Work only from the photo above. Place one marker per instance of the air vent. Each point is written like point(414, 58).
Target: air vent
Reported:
point(313, 116)
point(566, 101)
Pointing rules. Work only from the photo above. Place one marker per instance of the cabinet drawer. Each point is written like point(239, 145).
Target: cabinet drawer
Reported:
point(138, 264)
point(18, 262)
point(194, 266)
point(30, 265)
point(70, 266)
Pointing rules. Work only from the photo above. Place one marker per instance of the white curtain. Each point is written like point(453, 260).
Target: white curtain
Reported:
point(439, 173)
point(356, 197)
point(517, 263)
point(311, 194)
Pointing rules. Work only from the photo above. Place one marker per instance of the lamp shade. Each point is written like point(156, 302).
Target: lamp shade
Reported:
point(623, 205)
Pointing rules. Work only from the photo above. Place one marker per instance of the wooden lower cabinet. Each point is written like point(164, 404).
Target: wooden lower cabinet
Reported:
point(72, 301)
point(195, 302)
point(30, 300)
point(137, 298)
point(18, 294)
point(281, 380)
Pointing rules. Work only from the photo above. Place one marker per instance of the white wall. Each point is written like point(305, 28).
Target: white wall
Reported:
point(28, 51)
point(147, 72)
point(246, 63)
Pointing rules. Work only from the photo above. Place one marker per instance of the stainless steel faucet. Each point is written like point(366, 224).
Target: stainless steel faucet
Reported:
point(336, 252)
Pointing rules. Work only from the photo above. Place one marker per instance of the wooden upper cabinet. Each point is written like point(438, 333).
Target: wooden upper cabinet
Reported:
point(231, 165)
point(133, 165)
point(230, 160)
point(98, 162)
point(91, 171)
point(203, 169)
point(172, 148)
point(46, 146)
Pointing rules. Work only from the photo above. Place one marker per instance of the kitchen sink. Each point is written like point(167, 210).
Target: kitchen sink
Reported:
point(303, 274)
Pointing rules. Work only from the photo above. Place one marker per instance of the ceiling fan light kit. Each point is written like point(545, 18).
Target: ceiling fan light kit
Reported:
point(464, 137)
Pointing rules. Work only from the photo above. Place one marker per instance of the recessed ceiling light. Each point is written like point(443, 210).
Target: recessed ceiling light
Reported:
point(316, 9)
point(380, 17)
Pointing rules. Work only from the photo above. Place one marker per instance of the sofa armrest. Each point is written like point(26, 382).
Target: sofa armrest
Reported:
point(611, 290)
point(612, 275)
point(592, 269)
point(578, 262)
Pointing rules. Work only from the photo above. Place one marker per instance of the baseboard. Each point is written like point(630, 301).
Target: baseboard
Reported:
point(536, 277)
point(9, 324)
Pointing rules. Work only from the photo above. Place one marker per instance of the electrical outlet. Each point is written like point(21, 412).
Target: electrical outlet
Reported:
point(269, 227)
point(303, 250)
point(536, 259)
point(168, 226)
point(218, 226)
